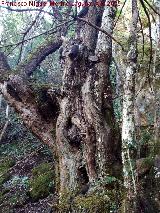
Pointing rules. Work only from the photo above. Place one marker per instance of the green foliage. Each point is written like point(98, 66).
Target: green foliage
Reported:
point(145, 137)
point(19, 181)
point(42, 182)
point(41, 169)
point(108, 181)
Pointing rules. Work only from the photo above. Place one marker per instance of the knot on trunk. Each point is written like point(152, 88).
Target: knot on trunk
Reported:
point(74, 136)
point(73, 50)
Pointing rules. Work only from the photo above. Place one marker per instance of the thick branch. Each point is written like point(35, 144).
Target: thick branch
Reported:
point(34, 107)
point(41, 53)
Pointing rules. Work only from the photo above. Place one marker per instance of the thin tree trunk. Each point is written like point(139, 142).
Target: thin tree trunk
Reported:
point(156, 100)
point(128, 123)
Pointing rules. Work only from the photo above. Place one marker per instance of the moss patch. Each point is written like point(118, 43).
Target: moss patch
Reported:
point(97, 201)
point(4, 166)
point(41, 185)
point(65, 201)
point(93, 203)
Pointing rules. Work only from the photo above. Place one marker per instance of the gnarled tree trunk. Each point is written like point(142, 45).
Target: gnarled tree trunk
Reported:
point(87, 146)
point(87, 140)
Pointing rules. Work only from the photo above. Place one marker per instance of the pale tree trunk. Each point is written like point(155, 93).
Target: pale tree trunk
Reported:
point(156, 102)
point(128, 123)
point(88, 143)
point(138, 128)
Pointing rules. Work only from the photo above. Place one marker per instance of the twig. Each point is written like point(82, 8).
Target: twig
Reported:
point(152, 7)
point(141, 25)
point(150, 38)
point(46, 32)
point(26, 10)
point(120, 13)
point(25, 33)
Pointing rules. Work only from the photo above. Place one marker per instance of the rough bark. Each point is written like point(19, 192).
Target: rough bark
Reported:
point(86, 142)
point(30, 104)
point(88, 33)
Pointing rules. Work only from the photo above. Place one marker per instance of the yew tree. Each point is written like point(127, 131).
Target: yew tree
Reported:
point(77, 121)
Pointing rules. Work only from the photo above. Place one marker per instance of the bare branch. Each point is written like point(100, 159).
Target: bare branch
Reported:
point(141, 25)
point(26, 32)
point(120, 13)
point(51, 31)
point(27, 10)
point(4, 129)
point(152, 7)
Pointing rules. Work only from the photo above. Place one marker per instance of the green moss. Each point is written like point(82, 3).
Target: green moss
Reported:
point(2, 197)
point(41, 169)
point(155, 151)
point(64, 204)
point(37, 51)
point(99, 200)
point(17, 199)
point(145, 23)
point(92, 203)
point(6, 164)
point(42, 182)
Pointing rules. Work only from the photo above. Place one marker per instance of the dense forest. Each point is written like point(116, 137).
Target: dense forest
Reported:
point(80, 106)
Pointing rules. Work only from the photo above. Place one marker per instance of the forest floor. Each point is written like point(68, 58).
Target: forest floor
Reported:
point(26, 175)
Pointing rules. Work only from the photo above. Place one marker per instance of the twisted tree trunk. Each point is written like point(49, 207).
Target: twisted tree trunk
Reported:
point(87, 146)
point(88, 142)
